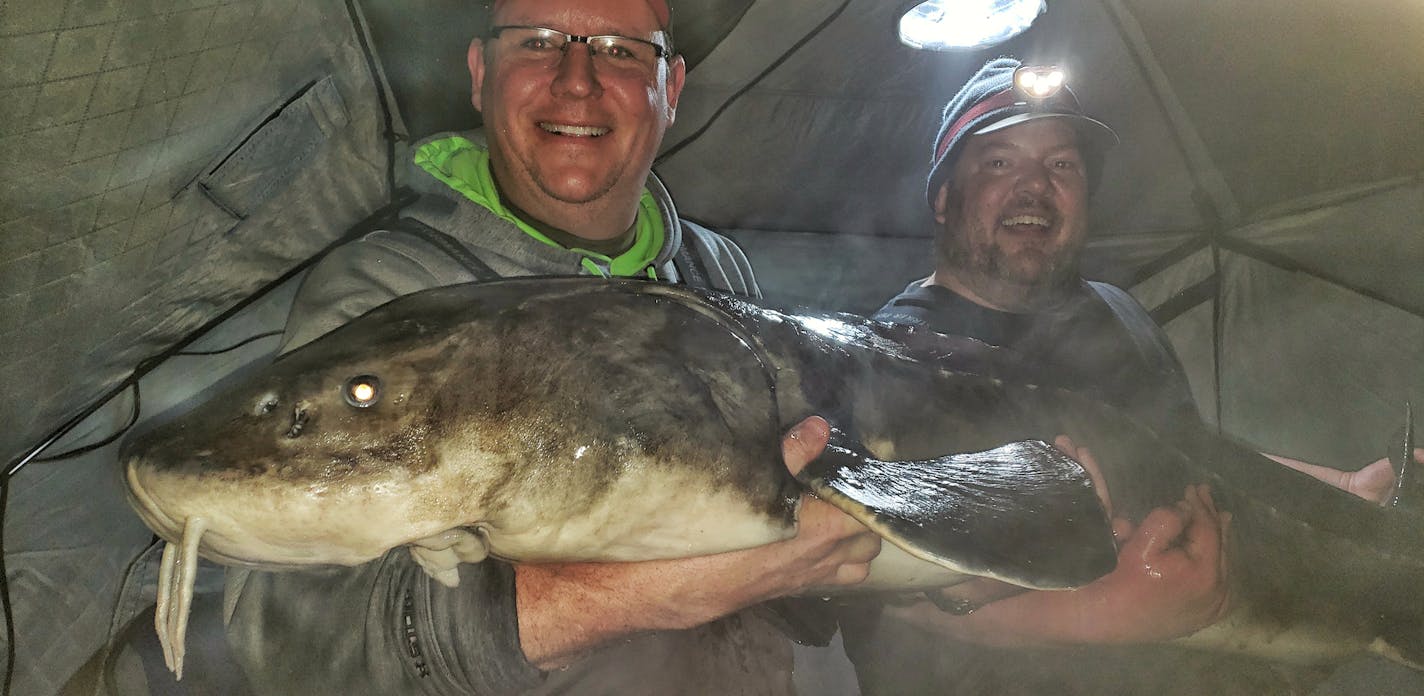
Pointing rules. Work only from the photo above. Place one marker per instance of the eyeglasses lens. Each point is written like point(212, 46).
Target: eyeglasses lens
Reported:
point(540, 46)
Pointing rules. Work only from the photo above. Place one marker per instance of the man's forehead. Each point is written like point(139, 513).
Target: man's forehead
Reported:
point(1044, 133)
point(650, 15)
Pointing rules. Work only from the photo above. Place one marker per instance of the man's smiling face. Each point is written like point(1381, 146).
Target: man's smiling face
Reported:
point(1014, 215)
point(570, 132)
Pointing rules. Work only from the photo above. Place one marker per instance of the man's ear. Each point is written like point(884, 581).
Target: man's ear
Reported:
point(677, 75)
point(941, 204)
point(475, 58)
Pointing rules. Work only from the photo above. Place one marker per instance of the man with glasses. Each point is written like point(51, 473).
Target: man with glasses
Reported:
point(575, 99)
point(576, 96)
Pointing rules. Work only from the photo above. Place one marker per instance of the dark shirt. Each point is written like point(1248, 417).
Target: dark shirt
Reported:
point(1100, 342)
point(1097, 341)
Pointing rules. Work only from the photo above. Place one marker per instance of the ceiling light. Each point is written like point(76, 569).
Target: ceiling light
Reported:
point(945, 25)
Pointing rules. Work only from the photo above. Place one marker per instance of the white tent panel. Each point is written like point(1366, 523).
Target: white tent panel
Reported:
point(1312, 370)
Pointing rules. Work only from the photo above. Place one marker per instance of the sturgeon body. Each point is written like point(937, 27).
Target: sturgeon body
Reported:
point(565, 419)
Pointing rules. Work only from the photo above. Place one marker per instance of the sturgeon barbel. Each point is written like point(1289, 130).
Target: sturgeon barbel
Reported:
point(568, 419)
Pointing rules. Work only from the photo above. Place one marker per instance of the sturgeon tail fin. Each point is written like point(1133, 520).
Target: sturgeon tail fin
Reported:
point(1023, 513)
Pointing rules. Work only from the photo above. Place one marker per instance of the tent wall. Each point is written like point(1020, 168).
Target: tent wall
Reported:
point(1312, 370)
point(159, 161)
point(1310, 344)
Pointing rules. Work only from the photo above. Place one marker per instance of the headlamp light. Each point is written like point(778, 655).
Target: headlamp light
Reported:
point(1039, 83)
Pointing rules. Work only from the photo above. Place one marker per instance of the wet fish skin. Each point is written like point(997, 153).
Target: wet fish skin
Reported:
point(570, 394)
point(382, 462)
point(542, 363)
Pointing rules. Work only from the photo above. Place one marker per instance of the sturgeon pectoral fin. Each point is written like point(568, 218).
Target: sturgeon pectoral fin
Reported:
point(1023, 513)
point(176, 577)
point(441, 554)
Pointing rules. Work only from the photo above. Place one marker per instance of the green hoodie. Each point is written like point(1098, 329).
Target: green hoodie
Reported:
point(464, 166)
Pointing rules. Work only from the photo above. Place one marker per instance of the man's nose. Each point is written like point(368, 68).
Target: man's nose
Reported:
point(576, 76)
point(1034, 178)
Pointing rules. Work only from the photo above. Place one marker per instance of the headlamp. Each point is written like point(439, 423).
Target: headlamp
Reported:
point(1039, 83)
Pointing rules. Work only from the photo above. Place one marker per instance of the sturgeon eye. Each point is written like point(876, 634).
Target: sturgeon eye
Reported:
point(362, 391)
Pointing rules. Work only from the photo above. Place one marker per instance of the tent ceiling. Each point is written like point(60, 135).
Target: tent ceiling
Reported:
point(1287, 100)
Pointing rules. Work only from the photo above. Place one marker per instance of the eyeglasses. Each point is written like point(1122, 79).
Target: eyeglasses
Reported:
point(545, 47)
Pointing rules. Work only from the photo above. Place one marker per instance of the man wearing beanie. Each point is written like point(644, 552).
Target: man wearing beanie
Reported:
point(1013, 166)
point(558, 182)
point(1009, 187)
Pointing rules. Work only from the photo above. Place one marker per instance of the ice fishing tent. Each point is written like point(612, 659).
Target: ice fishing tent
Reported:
point(162, 161)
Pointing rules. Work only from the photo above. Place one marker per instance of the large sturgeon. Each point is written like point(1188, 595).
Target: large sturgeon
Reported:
point(583, 419)
point(579, 419)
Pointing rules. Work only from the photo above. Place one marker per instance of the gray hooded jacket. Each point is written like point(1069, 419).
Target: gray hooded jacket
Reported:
point(386, 264)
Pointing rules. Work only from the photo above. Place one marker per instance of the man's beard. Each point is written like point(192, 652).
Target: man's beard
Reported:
point(999, 278)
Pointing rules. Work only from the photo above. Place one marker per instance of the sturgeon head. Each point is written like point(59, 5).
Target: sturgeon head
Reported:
point(323, 457)
point(319, 458)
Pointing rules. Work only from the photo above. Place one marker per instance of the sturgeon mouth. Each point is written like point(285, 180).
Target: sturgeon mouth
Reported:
point(221, 531)
point(149, 509)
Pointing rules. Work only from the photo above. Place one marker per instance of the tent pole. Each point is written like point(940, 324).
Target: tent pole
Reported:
point(1199, 162)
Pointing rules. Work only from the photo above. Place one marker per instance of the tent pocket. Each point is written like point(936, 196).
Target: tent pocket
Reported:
point(271, 155)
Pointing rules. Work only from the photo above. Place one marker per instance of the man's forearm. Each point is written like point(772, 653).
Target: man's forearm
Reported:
point(566, 610)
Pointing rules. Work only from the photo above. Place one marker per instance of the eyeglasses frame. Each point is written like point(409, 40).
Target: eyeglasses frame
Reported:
point(660, 51)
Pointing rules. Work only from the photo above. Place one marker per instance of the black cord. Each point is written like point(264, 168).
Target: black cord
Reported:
point(233, 347)
point(401, 199)
point(85, 449)
point(133, 416)
point(358, 24)
point(754, 81)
